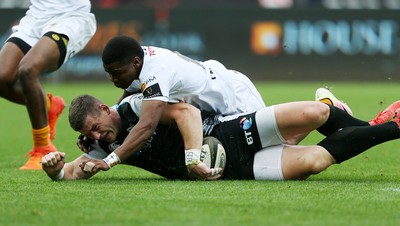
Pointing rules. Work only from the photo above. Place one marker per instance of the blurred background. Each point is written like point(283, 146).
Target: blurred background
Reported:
point(274, 40)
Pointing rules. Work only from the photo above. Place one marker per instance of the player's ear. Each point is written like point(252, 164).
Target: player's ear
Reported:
point(137, 62)
point(104, 107)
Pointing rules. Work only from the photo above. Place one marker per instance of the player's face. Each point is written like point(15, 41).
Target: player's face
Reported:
point(122, 74)
point(100, 127)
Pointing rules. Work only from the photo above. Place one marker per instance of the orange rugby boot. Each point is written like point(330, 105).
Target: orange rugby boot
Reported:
point(391, 113)
point(36, 155)
point(396, 117)
point(56, 108)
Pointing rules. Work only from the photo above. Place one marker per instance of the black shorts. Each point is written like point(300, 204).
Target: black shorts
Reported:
point(241, 141)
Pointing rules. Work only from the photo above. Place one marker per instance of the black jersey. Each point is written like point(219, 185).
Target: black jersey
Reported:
point(163, 153)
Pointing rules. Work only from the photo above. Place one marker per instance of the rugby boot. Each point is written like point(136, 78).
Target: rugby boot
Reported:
point(57, 105)
point(35, 157)
point(324, 95)
point(389, 114)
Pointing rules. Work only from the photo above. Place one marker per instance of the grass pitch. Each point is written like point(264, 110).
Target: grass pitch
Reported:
point(362, 191)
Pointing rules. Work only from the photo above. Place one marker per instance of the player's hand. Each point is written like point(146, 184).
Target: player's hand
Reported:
point(84, 143)
point(53, 160)
point(93, 166)
point(53, 163)
point(202, 172)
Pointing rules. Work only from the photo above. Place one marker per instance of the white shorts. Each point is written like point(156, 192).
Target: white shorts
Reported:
point(78, 26)
point(248, 99)
point(268, 163)
point(231, 93)
point(267, 128)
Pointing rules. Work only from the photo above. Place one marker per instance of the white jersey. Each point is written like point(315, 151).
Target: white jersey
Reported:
point(45, 8)
point(171, 77)
point(135, 101)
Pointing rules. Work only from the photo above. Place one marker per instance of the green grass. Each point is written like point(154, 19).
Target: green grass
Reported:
point(362, 191)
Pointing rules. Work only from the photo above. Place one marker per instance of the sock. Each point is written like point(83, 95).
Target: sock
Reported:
point(339, 119)
point(41, 137)
point(351, 141)
point(326, 101)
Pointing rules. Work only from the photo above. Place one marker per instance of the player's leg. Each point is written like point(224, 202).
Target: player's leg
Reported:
point(10, 56)
point(43, 57)
point(290, 162)
point(324, 95)
point(296, 119)
point(302, 161)
point(292, 121)
point(351, 141)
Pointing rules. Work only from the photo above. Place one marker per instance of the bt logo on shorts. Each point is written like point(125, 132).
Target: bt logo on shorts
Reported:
point(246, 124)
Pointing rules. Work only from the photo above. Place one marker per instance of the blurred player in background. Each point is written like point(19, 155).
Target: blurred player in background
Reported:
point(254, 147)
point(51, 32)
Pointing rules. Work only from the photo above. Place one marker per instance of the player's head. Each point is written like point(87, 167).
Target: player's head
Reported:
point(121, 48)
point(123, 60)
point(80, 108)
point(94, 119)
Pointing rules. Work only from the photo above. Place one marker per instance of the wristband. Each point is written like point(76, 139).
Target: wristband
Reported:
point(192, 156)
point(112, 160)
point(60, 175)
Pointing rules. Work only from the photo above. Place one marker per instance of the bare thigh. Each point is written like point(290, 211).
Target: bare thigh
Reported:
point(10, 57)
point(296, 119)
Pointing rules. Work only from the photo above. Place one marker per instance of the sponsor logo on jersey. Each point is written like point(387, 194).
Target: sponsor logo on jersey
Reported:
point(145, 83)
point(152, 91)
point(147, 145)
point(113, 146)
point(151, 79)
point(245, 124)
point(151, 51)
point(130, 126)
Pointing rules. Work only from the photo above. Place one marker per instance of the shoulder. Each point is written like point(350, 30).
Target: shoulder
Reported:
point(134, 101)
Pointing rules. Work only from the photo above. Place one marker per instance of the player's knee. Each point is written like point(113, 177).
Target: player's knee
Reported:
point(26, 74)
point(318, 160)
point(316, 112)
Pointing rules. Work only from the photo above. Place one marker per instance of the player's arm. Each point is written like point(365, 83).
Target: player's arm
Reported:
point(150, 112)
point(150, 115)
point(188, 119)
point(55, 167)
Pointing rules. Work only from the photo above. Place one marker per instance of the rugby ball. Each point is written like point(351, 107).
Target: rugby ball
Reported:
point(213, 153)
